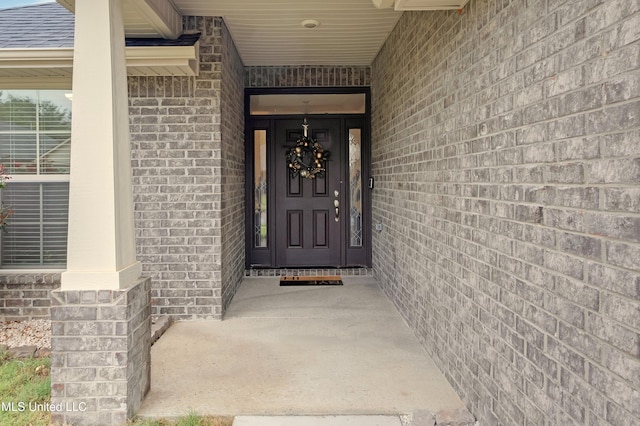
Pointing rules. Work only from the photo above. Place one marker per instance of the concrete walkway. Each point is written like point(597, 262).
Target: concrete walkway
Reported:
point(317, 421)
point(282, 351)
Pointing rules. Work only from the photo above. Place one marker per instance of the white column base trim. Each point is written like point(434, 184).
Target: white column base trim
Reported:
point(101, 280)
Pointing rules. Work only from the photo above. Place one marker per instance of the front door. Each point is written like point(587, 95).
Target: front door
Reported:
point(293, 221)
point(309, 211)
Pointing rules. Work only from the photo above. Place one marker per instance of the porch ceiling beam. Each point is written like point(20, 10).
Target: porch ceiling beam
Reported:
point(161, 15)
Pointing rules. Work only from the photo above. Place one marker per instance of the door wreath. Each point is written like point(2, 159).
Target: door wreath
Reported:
point(307, 158)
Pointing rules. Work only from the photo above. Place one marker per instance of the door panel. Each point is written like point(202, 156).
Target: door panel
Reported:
point(307, 233)
point(294, 187)
point(320, 185)
point(320, 228)
point(294, 228)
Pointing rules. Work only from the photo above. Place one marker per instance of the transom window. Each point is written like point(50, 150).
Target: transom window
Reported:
point(35, 146)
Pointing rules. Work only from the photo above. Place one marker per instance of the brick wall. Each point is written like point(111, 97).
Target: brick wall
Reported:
point(307, 76)
point(26, 296)
point(100, 354)
point(178, 151)
point(233, 161)
point(507, 157)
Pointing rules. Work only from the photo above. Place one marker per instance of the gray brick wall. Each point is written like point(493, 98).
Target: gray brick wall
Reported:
point(100, 354)
point(307, 76)
point(507, 157)
point(180, 139)
point(26, 296)
point(233, 161)
point(176, 201)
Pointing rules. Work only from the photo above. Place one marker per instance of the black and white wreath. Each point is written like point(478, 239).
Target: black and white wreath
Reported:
point(307, 158)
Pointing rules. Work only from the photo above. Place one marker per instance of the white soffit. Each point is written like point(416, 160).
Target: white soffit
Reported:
point(429, 4)
point(18, 67)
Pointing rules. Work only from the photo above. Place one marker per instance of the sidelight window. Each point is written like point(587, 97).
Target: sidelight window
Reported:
point(355, 187)
point(260, 188)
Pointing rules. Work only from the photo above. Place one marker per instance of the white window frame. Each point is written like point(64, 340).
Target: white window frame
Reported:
point(34, 178)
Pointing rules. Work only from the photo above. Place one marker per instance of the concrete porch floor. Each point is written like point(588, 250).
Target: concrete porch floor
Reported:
point(316, 350)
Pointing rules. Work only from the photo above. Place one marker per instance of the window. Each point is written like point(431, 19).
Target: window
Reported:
point(355, 187)
point(260, 187)
point(309, 103)
point(35, 145)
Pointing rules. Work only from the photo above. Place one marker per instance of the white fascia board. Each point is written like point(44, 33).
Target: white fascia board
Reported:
point(41, 83)
point(36, 58)
point(181, 60)
point(161, 53)
point(185, 58)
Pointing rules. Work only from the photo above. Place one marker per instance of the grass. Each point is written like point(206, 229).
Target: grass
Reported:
point(190, 420)
point(24, 383)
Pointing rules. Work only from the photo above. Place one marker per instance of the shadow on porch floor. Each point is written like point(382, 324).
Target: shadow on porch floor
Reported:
point(296, 351)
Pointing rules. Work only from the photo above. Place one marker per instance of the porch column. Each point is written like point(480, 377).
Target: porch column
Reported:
point(101, 315)
point(101, 247)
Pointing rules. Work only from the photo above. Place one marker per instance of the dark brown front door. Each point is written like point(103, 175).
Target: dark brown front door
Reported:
point(292, 221)
point(309, 229)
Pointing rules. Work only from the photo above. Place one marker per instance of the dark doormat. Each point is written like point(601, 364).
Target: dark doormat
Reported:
point(320, 280)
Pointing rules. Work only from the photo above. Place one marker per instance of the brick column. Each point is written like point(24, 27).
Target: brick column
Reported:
point(100, 367)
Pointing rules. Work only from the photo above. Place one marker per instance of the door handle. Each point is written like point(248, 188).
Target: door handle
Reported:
point(337, 214)
point(336, 203)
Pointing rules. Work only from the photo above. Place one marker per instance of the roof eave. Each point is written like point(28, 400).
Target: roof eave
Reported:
point(46, 67)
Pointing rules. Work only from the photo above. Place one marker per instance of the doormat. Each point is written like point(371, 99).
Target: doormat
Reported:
point(317, 280)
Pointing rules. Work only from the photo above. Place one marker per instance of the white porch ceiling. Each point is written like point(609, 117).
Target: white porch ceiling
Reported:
point(270, 32)
point(351, 32)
